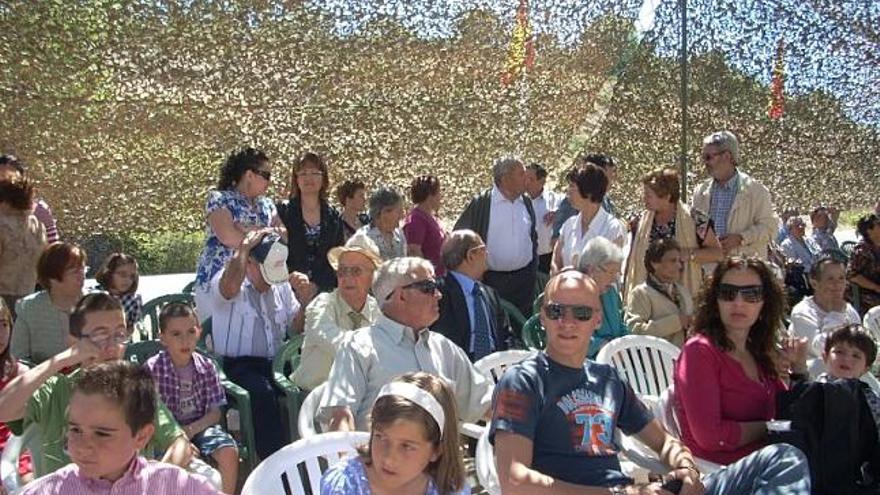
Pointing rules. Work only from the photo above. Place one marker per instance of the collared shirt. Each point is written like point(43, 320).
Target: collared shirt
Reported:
point(824, 239)
point(395, 247)
point(467, 287)
point(328, 318)
point(41, 328)
point(371, 357)
point(800, 250)
point(207, 392)
point(251, 323)
point(574, 238)
point(721, 199)
point(548, 201)
point(141, 477)
point(509, 235)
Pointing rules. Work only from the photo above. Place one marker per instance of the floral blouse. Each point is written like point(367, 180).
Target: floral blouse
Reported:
point(245, 212)
point(350, 476)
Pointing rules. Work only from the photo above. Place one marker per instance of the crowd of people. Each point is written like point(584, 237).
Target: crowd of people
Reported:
point(395, 309)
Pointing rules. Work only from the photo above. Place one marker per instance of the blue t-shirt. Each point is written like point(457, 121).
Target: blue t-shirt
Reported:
point(570, 415)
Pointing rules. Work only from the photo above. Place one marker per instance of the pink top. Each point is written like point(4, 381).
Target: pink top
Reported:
point(713, 395)
point(142, 477)
point(423, 229)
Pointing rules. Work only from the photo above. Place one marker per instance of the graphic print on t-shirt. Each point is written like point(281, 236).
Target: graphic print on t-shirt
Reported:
point(591, 421)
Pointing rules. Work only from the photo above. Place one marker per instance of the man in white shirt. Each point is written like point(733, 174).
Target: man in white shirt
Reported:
point(545, 203)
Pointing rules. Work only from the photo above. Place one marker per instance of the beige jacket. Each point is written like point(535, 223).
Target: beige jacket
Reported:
point(752, 215)
point(652, 313)
point(22, 239)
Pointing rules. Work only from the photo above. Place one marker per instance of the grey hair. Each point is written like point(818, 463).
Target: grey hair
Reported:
point(457, 245)
point(598, 252)
point(383, 197)
point(725, 141)
point(504, 165)
point(395, 273)
point(794, 220)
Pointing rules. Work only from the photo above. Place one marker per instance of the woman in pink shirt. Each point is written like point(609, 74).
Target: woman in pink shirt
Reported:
point(726, 379)
point(424, 235)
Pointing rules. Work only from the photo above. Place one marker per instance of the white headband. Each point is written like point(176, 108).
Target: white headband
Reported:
point(418, 397)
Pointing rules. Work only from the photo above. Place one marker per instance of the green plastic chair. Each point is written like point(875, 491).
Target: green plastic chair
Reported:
point(286, 360)
point(516, 317)
point(540, 283)
point(539, 301)
point(150, 326)
point(236, 398)
point(533, 333)
point(189, 288)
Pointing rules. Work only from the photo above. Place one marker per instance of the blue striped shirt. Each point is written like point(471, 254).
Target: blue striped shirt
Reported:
point(721, 198)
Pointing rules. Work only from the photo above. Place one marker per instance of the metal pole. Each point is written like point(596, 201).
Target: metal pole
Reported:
point(683, 158)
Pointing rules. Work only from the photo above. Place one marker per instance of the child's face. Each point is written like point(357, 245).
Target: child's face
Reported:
point(846, 361)
point(400, 453)
point(122, 278)
point(5, 331)
point(99, 440)
point(180, 336)
point(107, 330)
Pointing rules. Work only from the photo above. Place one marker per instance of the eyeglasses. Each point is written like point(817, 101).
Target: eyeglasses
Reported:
point(556, 311)
point(427, 286)
point(266, 174)
point(102, 339)
point(349, 271)
point(709, 156)
point(749, 293)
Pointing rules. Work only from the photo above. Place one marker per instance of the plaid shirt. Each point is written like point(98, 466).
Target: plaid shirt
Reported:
point(134, 308)
point(721, 201)
point(206, 382)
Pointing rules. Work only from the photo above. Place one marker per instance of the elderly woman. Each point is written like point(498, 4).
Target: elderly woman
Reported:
point(797, 247)
point(587, 185)
point(424, 235)
point(601, 260)
point(661, 306)
point(726, 378)
point(313, 226)
point(237, 206)
point(22, 239)
point(41, 328)
point(864, 266)
point(386, 211)
point(352, 198)
point(666, 217)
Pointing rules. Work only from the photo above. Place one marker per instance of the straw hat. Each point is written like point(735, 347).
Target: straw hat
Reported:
point(358, 243)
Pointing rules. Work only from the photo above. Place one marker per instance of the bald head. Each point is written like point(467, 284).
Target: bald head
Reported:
point(571, 313)
point(574, 285)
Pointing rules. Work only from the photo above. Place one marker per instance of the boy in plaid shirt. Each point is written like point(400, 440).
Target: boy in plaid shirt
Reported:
point(189, 385)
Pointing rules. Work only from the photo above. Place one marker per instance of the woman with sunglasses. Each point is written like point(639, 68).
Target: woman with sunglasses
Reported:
point(726, 378)
point(237, 206)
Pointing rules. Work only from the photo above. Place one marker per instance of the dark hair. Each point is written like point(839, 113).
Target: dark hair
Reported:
point(591, 181)
point(91, 303)
point(664, 182)
point(656, 250)
point(856, 336)
point(237, 164)
point(309, 158)
point(865, 224)
point(124, 383)
point(175, 310)
point(540, 171)
point(17, 193)
point(14, 162)
point(347, 190)
point(831, 257)
point(8, 364)
point(763, 334)
point(600, 160)
point(111, 264)
point(55, 259)
point(423, 187)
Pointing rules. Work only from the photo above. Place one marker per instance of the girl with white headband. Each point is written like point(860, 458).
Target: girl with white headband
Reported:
point(413, 447)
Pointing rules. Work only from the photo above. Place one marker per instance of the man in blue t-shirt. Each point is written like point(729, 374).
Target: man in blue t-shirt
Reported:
point(554, 415)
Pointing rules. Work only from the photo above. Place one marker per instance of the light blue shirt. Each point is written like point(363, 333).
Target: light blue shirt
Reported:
point(467, 287)
point(721, 202)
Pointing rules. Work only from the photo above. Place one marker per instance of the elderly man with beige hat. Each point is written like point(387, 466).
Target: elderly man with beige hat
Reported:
point(331, 314)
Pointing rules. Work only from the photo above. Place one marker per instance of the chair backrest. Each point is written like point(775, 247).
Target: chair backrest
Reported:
point(494, 364)
point(646, 362)
point(280, 472)
point(664, 410)
point(288, 357)
point(513, 313)
point(15, 445)
point(533, 334)
point(153, 307)
point(307, 410)
point(484, 462)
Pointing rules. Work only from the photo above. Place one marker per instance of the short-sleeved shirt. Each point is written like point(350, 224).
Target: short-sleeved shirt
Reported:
point(570, 415)
point(388, 249)
point(573, 237)
point(48, 408)
point(350, 476)
point(200, 378)
point(423, 229)
point(41, 328)
point(245, 212)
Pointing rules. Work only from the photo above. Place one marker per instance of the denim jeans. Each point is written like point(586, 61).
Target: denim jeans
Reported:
point(777, 469)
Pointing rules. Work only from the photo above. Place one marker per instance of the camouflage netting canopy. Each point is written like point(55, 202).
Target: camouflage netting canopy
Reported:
point(124, 109)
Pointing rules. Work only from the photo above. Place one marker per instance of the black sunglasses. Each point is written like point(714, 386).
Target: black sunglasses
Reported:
point(427, 286)
point(749, 293)
point(266, 174)
point(556, 311)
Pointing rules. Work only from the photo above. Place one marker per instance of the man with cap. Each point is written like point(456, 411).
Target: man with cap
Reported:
point(253, 308)
point(348, 307)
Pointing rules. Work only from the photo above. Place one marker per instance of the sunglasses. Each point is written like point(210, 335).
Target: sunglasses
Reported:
point(427, 286)
point(749, 293)
point(266, 174)
point(709, 156)
point(556, 311)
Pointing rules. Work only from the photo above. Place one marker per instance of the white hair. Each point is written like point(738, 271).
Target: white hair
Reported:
point(503, 166)
point(598, 252)
point(395, 273)
point(724, 141)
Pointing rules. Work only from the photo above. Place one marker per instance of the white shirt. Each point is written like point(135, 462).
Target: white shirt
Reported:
point(546, 202)
point(573, 238)
point(810, 321)
point(509, 235)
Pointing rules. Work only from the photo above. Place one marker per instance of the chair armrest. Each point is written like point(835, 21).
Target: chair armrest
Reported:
point(238, 398)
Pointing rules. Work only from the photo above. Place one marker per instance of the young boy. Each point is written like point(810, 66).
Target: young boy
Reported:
point(42, 394)
point(110, 418)
point(189, 385)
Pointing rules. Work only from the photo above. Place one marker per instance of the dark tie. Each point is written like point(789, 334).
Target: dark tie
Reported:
point(482, 344)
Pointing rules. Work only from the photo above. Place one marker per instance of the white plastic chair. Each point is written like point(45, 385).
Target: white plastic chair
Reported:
point(494, 364)
point(305, 421)
point(484, 461)
point(280, 473)
point(646, 362)
point(15, 445)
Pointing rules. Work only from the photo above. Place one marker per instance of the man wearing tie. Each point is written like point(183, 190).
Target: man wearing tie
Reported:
point(470, 314)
